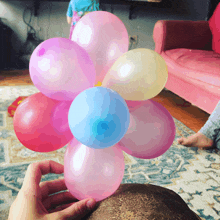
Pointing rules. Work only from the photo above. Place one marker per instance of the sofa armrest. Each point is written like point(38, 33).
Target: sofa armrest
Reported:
point(170, 34)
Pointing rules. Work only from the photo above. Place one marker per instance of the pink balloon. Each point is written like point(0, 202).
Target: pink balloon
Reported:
point(61, 69)
point(104, 36)
point(41, 123)
point(151, 131)
point(92, 173)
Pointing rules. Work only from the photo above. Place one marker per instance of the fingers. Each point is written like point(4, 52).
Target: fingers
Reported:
point(50, 187)
point(60, 208)
point(58, 199)
point(36, 170)
point(76, 211)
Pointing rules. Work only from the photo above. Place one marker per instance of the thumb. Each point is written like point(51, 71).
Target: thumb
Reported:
point(78, 210)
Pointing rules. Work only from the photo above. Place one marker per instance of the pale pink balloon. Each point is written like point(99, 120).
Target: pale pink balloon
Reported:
point(41, 123)
point(92, 173)
point(104, 36)
point(61, 69)
point(151, 131)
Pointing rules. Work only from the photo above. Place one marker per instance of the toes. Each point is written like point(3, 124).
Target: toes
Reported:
point(180, 140)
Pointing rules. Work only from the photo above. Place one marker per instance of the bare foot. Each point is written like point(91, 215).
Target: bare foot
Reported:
point(196, 140)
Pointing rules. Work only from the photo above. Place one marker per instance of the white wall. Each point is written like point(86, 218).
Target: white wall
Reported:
point(51, 21)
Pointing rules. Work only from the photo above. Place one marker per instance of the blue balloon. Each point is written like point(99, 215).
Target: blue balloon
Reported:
point(99, 117)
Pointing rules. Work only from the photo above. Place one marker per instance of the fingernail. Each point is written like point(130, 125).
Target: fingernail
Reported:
point(91, 204)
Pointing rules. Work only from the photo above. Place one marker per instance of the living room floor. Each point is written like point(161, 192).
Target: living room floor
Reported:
point(191, 116)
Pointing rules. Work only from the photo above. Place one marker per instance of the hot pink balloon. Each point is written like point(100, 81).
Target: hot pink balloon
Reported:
point(41, 123)
point(151, 131)
point(92, 173)
point(61, 69)
point(132, 105)
point(104, 36)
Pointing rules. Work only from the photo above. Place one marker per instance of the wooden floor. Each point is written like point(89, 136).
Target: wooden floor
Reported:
point(191, 116)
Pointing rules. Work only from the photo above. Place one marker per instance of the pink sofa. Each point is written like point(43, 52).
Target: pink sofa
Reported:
point(193, 67)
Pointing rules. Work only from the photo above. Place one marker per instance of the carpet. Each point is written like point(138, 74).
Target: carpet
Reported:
point(192, 173)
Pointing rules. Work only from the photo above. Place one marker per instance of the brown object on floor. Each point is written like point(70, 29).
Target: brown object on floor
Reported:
point(142, 202)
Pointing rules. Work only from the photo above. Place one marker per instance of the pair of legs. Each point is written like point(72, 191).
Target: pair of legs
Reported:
point(208, 136)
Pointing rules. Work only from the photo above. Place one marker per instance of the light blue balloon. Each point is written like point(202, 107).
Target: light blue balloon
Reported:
point(99, 117)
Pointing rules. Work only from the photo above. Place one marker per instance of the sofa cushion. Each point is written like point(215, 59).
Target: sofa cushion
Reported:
point(214, 24)
point(197, 64)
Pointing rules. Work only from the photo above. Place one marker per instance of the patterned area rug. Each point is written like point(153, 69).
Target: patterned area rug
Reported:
point(192, 173)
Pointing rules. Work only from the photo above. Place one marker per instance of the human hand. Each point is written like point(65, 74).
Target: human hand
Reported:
point(34, 201)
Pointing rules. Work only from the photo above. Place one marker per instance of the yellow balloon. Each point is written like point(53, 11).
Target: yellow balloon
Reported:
point(139, 74)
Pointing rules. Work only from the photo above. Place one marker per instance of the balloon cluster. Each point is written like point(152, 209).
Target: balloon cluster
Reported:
point(99, 122)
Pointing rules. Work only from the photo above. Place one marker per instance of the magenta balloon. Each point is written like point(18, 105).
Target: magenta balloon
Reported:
point(132, 105)
point(92, 173)
point(41, 123)
point(104, 36)
point(151, 131)
point(61, 69)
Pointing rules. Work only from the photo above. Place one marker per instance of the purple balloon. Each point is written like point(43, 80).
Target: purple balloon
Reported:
point(151, 131)
point(61, 69)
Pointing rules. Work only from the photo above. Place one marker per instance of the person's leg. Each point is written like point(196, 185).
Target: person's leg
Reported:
point(75, 19)
point(212, 127)
point(217, 141)
point(71, 31)
point(206, 137)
